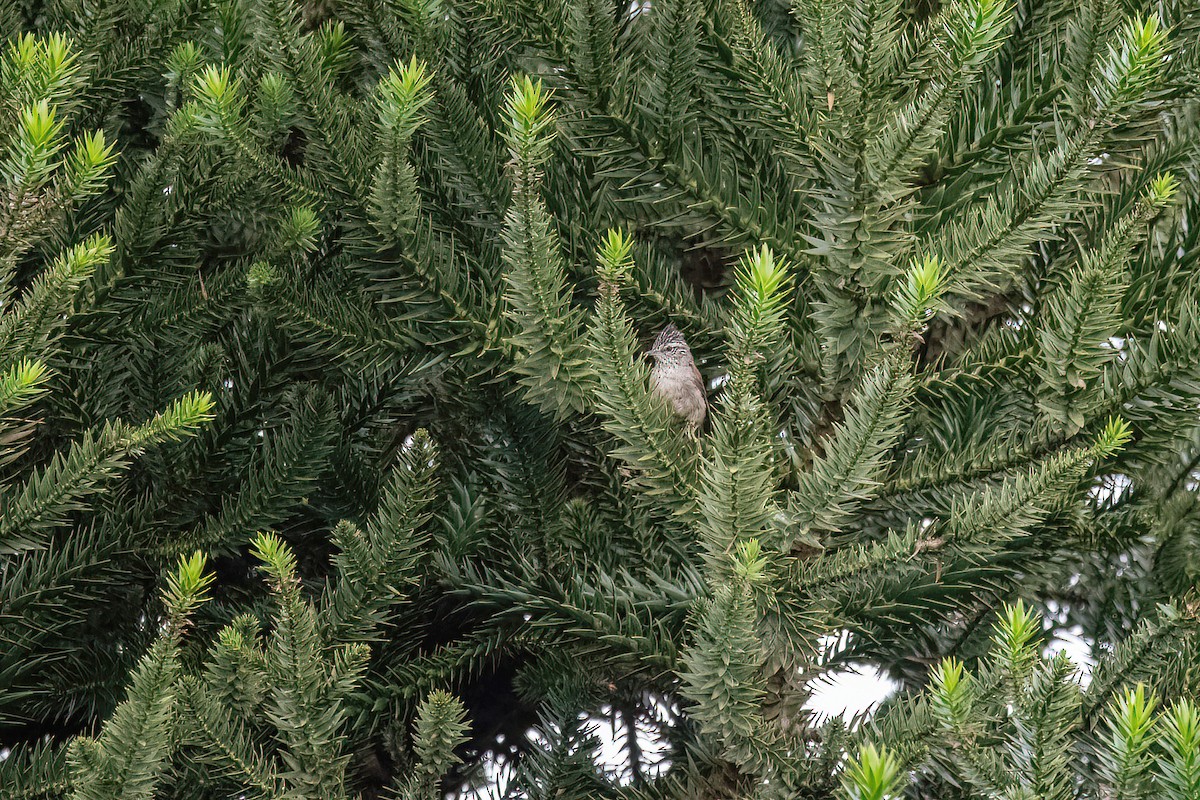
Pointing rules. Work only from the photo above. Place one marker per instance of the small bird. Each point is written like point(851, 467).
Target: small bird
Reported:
point(674, 376)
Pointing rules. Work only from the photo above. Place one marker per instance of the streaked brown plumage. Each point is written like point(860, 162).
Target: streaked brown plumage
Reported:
point(674, 376)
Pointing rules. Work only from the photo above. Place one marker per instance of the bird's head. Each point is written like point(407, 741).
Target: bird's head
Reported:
point(670, 347)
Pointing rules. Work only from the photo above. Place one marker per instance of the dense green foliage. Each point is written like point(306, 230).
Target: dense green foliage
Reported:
point(330, 463)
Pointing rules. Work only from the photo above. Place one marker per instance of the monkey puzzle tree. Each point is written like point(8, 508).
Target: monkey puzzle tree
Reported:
point(56, 567)
point(935, 262)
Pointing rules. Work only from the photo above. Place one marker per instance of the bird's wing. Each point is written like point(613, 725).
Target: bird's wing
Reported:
point(699, 382)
